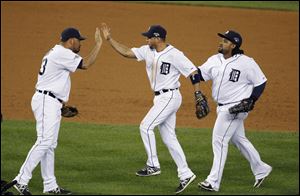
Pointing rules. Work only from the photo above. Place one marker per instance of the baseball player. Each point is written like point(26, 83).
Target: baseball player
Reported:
point(164, 64)
point(52, 90)
point(237, 83)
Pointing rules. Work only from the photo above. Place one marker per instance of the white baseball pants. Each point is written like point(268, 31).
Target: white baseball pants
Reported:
point(163, 115)
point(47, 113)
point(231, 127)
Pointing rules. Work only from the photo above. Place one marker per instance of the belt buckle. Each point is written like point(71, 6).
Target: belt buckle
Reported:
point(161, 91)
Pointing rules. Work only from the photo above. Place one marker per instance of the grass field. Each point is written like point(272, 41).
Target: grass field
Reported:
point(271, 5)
point(96, 159)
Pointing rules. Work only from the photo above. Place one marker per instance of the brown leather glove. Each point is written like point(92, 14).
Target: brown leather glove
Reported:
point(69, 111)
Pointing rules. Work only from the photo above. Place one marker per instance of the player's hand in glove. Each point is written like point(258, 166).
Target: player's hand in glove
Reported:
point(202, 108)
point(246, 105)
point(69, 111)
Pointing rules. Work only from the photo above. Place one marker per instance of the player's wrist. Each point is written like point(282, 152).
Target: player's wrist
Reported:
point(253, 98)
point(197, 93)
point(98, 43)
point(108, 38)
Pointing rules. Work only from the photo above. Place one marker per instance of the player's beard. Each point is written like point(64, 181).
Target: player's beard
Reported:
point(76, 50)
point(220, 50)
point(151, 46)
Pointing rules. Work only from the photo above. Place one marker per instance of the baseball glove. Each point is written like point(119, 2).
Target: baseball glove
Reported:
point(69, 111)
point(202, 108)
point(246, 105)
point(5, 186)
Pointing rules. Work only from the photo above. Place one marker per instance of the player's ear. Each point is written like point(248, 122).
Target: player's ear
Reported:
point(233, 46)
point(69, 41)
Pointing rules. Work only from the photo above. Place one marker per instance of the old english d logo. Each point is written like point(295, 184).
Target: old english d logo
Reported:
point(234, 75)
point(165, 68)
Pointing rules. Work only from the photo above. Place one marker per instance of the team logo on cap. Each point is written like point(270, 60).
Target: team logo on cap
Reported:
point(236, 39)
point(156, 34)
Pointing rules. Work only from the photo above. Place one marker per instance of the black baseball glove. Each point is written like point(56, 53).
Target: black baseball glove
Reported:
point(69, 111)
point(246, 105)
point(202, 108)
point(5, 186)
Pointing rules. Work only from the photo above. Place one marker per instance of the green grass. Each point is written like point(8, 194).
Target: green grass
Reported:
point(96, 159)
point(273, 5)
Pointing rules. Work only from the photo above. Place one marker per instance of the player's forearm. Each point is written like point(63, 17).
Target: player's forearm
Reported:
point(121, 49)
point(91, 58)
point(257, 91)
point(195, 79)
point(197, 87)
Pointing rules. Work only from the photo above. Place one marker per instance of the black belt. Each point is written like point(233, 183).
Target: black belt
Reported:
point(221, 104)
point(50, 94)
point(163, 91)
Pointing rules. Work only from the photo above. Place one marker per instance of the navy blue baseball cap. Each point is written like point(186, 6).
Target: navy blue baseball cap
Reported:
point(232, 36)
point(71, 33)
point(155, 31)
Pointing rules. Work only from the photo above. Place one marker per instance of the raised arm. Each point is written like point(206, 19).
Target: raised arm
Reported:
point(120, 48)
point(91, 58)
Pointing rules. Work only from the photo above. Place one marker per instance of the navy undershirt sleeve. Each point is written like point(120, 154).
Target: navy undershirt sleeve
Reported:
point(201, 77)
point(80, 65)
point(257, 91)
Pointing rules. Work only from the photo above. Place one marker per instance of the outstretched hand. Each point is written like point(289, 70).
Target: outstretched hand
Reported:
point(106, 31)
point(98, 38)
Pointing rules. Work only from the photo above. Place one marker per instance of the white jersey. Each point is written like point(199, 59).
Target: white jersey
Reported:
point(55, 71)
point(233, 78)
point(164, 68)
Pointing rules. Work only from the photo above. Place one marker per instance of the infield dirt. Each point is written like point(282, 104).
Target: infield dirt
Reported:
point(116, 90)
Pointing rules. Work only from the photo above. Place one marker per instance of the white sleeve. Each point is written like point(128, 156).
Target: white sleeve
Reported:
point(184, 65)
point(205, 69)
point(70, 61)
point(255, 74)
point(140, 53)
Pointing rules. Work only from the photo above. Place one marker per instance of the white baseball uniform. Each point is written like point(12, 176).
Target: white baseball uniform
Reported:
point(233, 79)
point(53, 86)
point(164, 69)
